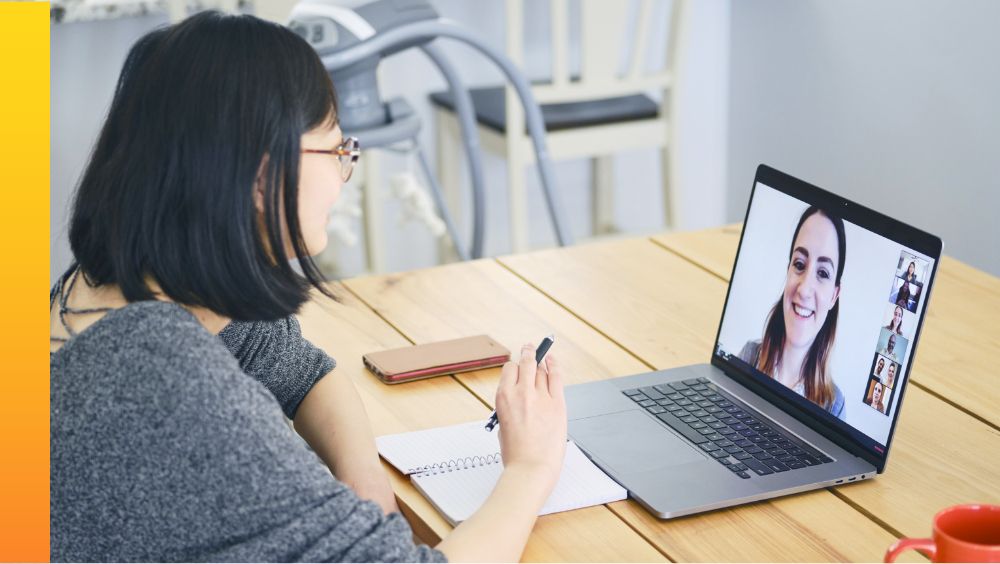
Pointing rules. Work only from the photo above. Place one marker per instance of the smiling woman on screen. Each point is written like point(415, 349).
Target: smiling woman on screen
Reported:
point(801, 327)
point(896, 325)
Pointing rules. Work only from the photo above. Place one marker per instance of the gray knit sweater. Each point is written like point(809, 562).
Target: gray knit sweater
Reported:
point(168, 443)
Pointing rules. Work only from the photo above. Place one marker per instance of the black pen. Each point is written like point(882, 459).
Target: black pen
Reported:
point(540, 352)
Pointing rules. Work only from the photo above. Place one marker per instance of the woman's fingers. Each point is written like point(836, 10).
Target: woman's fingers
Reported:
point(554, 372)
point(542, 377)
point(527, 366)
point(508, 376)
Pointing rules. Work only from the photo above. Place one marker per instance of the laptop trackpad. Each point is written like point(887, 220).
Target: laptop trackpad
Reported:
point(629, 441)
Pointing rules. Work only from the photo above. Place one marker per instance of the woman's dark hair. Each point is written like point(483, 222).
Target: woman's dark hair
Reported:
point(903, 295)
point(817, 381)
point(168, 192)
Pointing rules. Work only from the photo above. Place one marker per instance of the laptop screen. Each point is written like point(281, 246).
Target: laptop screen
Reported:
point(827, 309)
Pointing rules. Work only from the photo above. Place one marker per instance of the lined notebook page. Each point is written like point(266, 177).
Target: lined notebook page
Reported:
point(410, 451)
point(457, 494)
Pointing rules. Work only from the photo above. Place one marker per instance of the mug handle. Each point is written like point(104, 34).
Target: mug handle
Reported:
point(925, 546)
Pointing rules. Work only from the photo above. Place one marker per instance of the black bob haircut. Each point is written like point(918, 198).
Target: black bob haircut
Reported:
point(168, 192)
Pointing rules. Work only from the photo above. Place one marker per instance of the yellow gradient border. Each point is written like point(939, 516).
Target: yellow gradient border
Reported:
point(24, 282)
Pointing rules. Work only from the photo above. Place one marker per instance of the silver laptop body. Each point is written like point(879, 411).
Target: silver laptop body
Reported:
point(708, 436)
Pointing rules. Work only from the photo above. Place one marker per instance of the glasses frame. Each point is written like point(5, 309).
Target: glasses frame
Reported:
point(350, 147)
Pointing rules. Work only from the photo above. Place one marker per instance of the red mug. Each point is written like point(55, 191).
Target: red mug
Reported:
point(963, 533)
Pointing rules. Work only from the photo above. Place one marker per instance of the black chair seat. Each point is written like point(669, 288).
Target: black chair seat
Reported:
point(491, 110)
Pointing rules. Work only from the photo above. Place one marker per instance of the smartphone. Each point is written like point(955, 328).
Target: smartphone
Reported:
point(436, 359)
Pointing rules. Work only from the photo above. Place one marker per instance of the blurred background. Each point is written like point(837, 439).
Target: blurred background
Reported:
point(892, 104)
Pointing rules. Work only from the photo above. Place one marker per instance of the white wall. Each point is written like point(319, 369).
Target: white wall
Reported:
point(893, 104)
point(86, 58)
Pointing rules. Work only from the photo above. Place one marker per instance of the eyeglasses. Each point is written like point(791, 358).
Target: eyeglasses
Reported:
point(347, 154)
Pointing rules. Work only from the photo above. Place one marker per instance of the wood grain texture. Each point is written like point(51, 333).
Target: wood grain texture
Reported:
point(346, 331)
point(482, 296)
point(940, 455)
point(712, 249)
point(958, 343)
point(653, 303)
point(463, 299)
point(799, 528)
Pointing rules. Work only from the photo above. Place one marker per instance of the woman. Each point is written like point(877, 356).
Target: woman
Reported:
point(175, 353)
point(896, 324)
point(911, 275)
point(800, 329)
point(875, 397)
point(903, 295)
point(890, 381)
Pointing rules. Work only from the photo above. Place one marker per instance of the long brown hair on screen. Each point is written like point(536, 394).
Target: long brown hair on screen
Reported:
point(816, 378)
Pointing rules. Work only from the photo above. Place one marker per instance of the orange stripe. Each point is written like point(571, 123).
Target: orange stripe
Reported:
point(24, 219)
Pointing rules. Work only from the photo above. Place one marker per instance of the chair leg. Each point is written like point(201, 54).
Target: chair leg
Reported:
point(449, 173)
point(669, 192)
point(517, 197)
point(372, 213)
point(602, 194)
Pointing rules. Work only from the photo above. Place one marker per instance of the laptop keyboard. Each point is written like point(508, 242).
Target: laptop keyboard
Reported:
point(720, 426)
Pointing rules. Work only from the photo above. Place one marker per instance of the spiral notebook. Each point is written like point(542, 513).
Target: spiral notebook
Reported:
point(457, 467)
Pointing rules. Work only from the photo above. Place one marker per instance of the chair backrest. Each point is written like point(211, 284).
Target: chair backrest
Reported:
point(604, 27)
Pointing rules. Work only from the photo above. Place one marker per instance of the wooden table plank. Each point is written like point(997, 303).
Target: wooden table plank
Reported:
point(940, 455)
point(349, 329)
point(713, 249)
point(482, 296)
point(462, 299)
point(813, 529)
point(656, 305)
point(958, 344)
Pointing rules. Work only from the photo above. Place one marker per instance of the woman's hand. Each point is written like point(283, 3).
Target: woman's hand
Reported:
point(532, 413)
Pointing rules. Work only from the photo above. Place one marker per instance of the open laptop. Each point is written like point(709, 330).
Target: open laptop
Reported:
point(807, 374)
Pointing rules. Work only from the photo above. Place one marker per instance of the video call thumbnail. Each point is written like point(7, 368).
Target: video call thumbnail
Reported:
point(899, 321)
point(906, 294)
point(911, 268)
point(878, 396)
point(892, 346)
point(885, 371)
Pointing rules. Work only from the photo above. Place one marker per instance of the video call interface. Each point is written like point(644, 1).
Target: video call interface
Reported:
point(826, 308)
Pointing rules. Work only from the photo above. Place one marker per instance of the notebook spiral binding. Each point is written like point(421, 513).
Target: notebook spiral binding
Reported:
point(456, 464)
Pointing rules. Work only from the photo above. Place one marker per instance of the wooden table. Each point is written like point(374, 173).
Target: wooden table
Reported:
point(639, 304)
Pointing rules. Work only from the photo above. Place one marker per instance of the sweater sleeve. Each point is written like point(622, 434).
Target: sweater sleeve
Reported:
point(277, 355)
point(280, 501)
